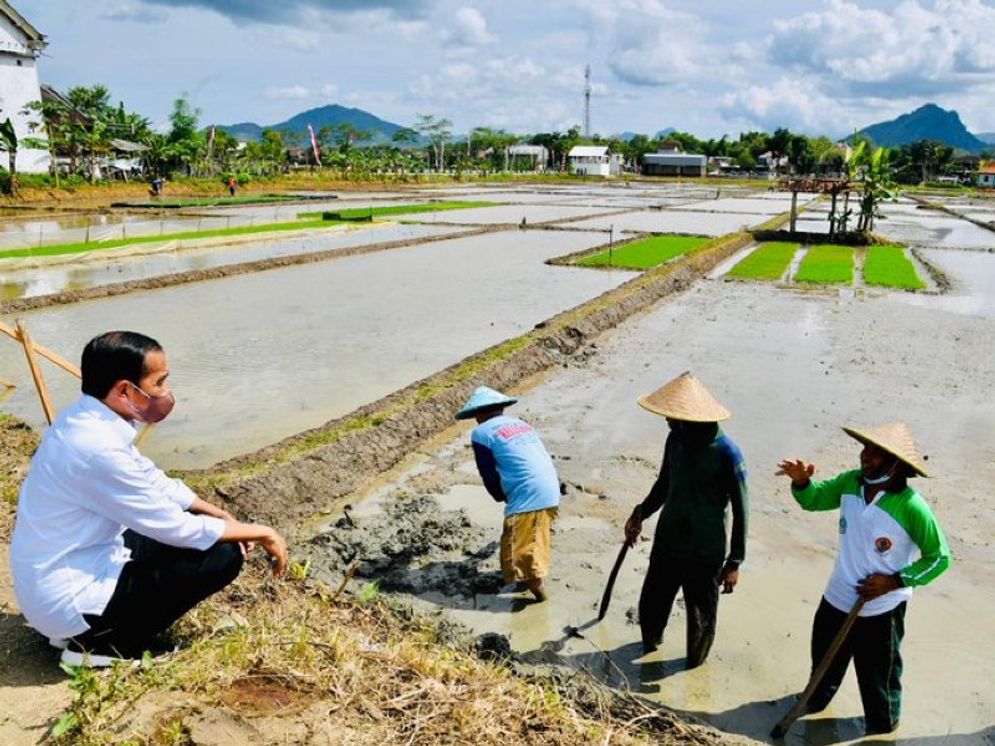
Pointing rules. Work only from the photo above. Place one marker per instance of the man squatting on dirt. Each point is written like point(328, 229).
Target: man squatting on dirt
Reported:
point(702, 475)
point(517, 470)
point(884, 524)
point(107, 551)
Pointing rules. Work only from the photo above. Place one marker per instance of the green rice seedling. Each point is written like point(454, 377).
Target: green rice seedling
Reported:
point(769, 262)
point(889, 267)
point(649, 252)
point(827, 264)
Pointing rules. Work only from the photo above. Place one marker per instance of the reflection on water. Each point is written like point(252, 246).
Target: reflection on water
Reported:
point(258, 357)
point(972, 275)
point(106, 268)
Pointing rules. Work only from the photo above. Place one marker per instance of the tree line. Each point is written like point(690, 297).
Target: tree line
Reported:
point(79, 131)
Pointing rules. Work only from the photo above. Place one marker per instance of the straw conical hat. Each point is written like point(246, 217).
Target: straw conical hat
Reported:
point(685, 398)
point(896, 439)
point(484, 397)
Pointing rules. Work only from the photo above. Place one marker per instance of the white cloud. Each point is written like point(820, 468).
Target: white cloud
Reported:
point(134, 13)
point(914, 49)
point(289, 93)
point(791, 103)
point(469, 30)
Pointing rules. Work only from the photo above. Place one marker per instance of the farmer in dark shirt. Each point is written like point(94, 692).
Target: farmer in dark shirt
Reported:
point(702, 476)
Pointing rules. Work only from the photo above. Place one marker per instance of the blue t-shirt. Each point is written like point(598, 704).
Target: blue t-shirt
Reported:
point(528, 477)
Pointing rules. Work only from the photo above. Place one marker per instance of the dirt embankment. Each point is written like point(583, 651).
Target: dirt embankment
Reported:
point(292, 480)
point(17, 444)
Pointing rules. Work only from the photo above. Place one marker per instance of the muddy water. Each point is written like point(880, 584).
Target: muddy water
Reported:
point(507, 214)
point(935, 230)
point(259, 357)
point(113, 265)
point(673, 221)
point(792, 367)
point(972, 291)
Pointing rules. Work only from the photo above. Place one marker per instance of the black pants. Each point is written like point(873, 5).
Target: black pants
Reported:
point(873, 644)
point(156, 587)
point(699, 582)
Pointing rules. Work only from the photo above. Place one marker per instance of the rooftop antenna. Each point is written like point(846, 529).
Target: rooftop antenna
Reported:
point(587, 101)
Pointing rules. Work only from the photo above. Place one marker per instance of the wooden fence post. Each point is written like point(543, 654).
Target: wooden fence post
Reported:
point(43, 351)
point(36, 374)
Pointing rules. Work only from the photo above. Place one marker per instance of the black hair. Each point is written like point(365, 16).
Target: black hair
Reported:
point(112, 357)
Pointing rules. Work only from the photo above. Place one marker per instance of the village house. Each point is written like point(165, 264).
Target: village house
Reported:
point(986, 175)
point(20, 46)
point(674, 163)
point(535, 156)
point(594, 160)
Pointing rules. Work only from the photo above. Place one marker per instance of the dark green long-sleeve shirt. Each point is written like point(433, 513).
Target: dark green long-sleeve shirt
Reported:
point(699, 481)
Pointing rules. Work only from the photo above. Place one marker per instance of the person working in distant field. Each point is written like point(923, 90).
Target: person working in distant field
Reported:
point(108, 551)
point(232, 186)
point(702, 476)
point(518, 471)
point(155, 186)
point(890, 542)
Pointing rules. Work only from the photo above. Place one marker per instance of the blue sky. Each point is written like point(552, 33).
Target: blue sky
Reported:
point(711, 67)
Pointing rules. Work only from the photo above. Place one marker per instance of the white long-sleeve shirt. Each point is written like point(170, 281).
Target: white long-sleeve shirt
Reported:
point(86, 485)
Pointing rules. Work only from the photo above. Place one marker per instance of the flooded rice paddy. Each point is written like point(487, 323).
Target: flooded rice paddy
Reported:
point(261, 356)
point(305, 344)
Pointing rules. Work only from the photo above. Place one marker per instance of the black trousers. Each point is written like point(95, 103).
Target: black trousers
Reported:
point(156, 587)
point(699, 583)
point(874, 645)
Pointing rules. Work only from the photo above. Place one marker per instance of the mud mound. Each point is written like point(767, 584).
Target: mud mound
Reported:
point(413, 547)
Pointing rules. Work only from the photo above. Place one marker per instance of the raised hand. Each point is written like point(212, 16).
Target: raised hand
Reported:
point(798, 471)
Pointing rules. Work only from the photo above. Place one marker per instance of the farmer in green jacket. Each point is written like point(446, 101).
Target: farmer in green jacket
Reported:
point(890, 542)
point(703, 476)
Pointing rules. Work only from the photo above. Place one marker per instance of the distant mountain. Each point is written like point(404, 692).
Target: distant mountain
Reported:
point(323, 116)
point(664, 133)
point(988, 137)
point(928, 122)
point(627, 136)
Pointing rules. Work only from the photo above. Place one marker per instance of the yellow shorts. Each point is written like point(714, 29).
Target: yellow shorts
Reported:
point(525, 545)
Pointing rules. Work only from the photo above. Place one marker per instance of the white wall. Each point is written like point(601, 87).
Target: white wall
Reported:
point(586, 166)
point(18, 87)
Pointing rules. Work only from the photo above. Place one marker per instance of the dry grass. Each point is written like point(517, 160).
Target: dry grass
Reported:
point(17, 444)
point(282, 657)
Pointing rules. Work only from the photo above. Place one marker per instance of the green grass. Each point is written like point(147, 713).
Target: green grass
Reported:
point(827, 264)
point(359, 213)
point(649, 252)
point(769, 262)
point(888, 266)
point(76, 248)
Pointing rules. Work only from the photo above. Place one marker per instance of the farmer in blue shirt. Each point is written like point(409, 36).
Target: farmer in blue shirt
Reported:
point(517, 470)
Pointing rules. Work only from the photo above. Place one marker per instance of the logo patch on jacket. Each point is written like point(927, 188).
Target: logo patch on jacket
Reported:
point(882, 544)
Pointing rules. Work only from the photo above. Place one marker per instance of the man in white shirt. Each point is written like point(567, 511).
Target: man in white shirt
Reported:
point(107, 550)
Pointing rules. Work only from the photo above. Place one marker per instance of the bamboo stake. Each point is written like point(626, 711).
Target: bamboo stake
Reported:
point(7, 384)
point(43, 351)
point(29, 351)
point(143, 434)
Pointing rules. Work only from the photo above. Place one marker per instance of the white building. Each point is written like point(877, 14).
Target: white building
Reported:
point(594, 160)
point(20, 45)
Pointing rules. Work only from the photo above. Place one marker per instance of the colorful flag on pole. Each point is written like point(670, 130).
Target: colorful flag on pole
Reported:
point(314, 144)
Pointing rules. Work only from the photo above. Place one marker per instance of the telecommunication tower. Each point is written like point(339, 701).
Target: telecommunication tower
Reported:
point(587, 101)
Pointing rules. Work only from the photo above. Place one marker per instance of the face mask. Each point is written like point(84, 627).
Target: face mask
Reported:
point(157, 409)
point(882, 479)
